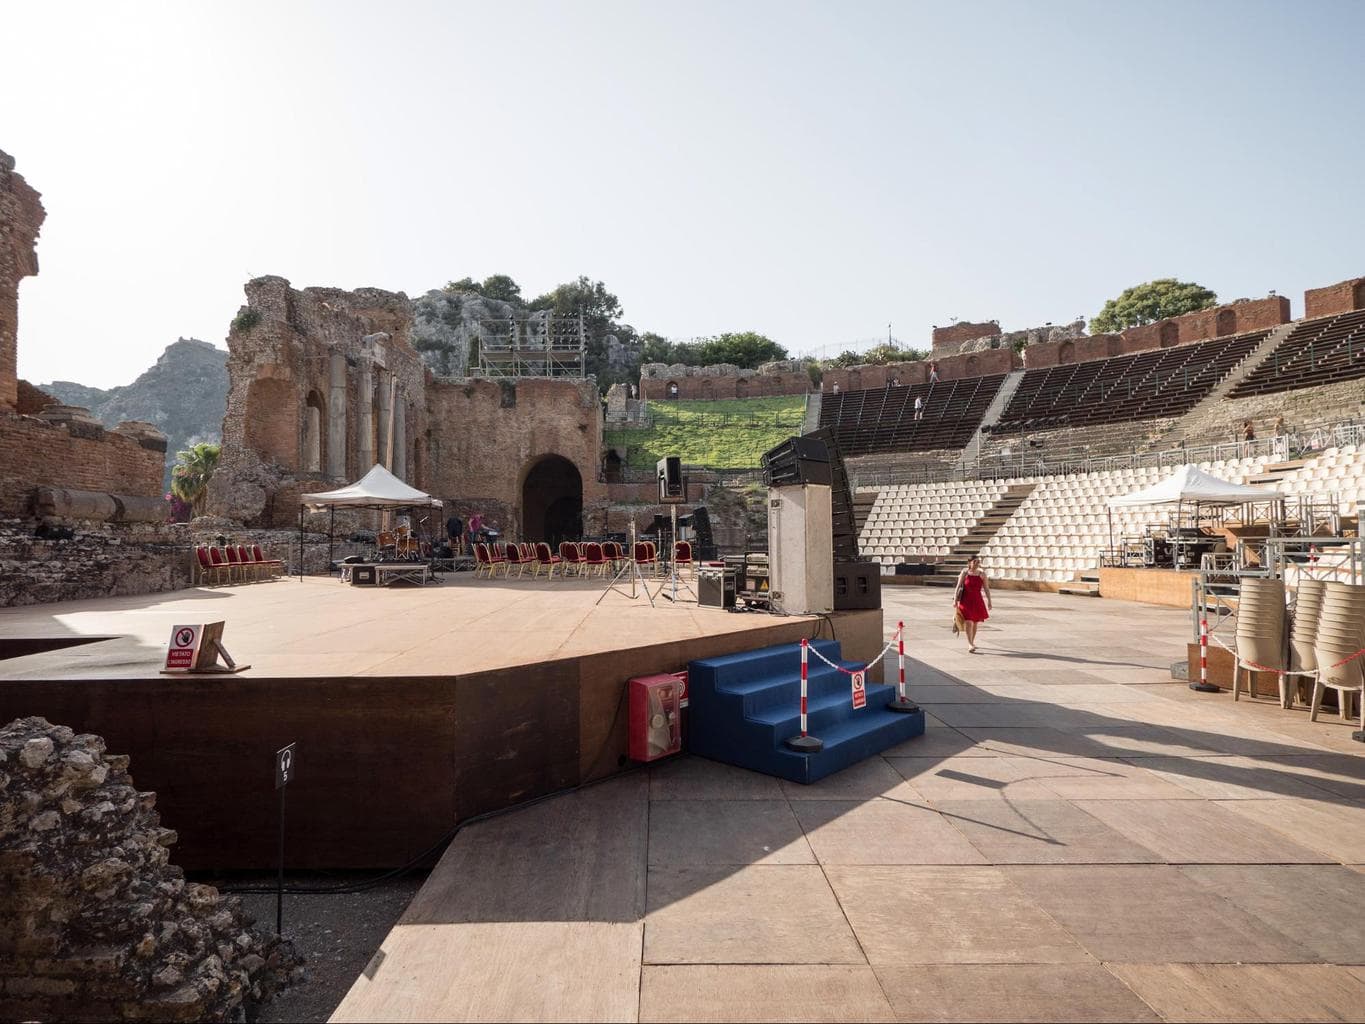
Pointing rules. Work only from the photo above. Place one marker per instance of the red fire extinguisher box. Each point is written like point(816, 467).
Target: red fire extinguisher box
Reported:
point(655, 721)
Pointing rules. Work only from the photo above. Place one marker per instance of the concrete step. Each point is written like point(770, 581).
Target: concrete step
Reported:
point(1080, 589)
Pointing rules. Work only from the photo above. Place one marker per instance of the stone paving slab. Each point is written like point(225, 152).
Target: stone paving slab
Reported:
point(1248, 992)
point(882, 831)
point(767, 913)
point(1010, 992)
point(1195, 832)
point(696, 778)
point(1151, 913)
point(726, 832)
point(1041, 832)
point(1320, 906)
point(938, 915)
point(778, 992)
point(1335, 828)
point(1239, 778)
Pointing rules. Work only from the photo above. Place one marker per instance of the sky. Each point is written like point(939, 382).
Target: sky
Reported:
point(813, 172)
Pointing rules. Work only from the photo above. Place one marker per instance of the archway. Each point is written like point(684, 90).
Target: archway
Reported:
point(613, 467)
point(742, 387)
point(708, 389)
point(314, 434)
point(855, 380)
point(672, 390)
point(1066, 353)
point(552, 501)
point(1169, 334)
point(1225, 323)
point(1359, 302)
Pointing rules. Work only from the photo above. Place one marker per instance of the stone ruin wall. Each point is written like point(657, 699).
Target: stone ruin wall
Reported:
point(311, 374)
point(486, 436)
point(723, 381)
point(96, 923)
point(974, 364)
point(1342, 297)
point(21, 218)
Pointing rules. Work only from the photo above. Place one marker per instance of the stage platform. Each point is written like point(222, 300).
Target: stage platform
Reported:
point(412, 707)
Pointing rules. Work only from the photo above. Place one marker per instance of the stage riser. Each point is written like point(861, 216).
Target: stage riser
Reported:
point(385, 765)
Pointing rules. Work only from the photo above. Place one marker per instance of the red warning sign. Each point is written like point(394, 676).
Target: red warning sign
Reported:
point(859, 690)
point(183, 648)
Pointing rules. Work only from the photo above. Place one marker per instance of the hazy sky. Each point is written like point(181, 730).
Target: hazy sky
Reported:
point(811, 171)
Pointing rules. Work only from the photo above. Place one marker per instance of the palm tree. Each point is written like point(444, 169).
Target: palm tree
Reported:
point(193, 469)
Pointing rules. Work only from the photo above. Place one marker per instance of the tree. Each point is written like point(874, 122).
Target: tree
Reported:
point(495, 286)
point(193, 470)
point(1147, 303)
point(744, 348)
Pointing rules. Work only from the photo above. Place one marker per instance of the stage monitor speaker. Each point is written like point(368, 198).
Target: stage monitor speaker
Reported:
point(800, 549)
point(701, 529)
point(669, 470)
point(857, 585)
point(797, 460)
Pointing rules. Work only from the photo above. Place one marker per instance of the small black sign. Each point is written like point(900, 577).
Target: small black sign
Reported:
point(284, 766)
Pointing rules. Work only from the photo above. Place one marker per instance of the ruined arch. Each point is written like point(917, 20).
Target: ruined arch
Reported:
point(1168, 334)
point(613, 466)
point(973, 366)
point(855, 380)
point(314, 433)
point(1066, 352)
point(708, 388)
point(1358, 296)
point(551, 500)
point(742, 387)
point(1225, 323)
point(671, 390)
point(271, 421)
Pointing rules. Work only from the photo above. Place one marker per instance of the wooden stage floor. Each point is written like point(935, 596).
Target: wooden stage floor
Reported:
point(321, 628)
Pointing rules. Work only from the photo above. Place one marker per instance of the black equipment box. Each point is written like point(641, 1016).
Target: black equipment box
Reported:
point(857, 585)
point(914, 569)
point(715, 586)
point(363, 576)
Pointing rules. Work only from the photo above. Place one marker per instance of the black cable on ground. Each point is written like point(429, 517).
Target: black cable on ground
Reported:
point(411, 865)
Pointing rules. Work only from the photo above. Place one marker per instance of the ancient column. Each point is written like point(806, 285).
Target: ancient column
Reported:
point(365, 419)
point(336, 416)
point(400, 437)
point(385, 409)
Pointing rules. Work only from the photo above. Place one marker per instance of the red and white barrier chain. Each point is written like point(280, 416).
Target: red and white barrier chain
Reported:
point(1267, 668)
point(895, 638)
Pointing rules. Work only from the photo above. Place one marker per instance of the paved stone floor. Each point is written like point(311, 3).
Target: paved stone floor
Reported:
point(1074, 838)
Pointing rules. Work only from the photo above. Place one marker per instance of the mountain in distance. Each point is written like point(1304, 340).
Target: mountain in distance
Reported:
point(184, 395)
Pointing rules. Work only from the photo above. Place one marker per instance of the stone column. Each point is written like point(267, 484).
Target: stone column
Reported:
point(400, 438)
point(385, 407)
point(336, 416)
point(365, 418)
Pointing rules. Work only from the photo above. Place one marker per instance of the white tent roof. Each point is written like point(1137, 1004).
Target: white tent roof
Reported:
point(1190, 483)
point(376, 489)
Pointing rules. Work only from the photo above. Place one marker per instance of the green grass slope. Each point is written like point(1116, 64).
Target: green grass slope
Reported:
point(717, 435)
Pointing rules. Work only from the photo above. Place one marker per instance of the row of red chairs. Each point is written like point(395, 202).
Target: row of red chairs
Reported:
point(588, 558)
point(235, 563)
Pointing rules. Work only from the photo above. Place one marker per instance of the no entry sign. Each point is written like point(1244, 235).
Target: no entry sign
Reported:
point(859, 690)
point(183, 649)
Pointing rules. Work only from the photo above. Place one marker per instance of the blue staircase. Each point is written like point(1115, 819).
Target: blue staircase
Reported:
point(745, 706)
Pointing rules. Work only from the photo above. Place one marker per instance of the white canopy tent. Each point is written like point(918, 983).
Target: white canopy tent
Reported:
point(377, 490)
point(1190, 485)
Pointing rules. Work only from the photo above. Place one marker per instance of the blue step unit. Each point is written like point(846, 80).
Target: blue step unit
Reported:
point(744, 707)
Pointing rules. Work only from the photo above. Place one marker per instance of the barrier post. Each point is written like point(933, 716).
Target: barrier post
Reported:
point(901, 702)
point(1203, 686)
point(805, 743)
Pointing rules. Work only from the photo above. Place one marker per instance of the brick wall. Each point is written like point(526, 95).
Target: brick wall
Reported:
point(973, 364)
point(1342, 297)
point(21, 217)
point(956, 334)
point(745, 384)
point(487, 435)
point(1201, 325)
point(1073, 350)
point(34, 453)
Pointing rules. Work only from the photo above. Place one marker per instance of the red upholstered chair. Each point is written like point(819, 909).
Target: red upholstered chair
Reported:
point(208, 569)
point(513, 558)
point(546, 559)
point(594, 561)
point(572, 555)
point(527, 551)
point(246, 565)
point(221, 563)
point(614, 552)
point(644, 555)
point(274, 566)
point(682, 556)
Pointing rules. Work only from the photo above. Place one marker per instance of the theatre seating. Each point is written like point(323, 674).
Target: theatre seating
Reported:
point(1316, 352)
point(883, 419)
point(1158, 383)
point(924, 522)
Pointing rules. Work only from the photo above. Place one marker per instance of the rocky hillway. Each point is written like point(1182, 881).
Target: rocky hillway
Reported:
point(184, 394)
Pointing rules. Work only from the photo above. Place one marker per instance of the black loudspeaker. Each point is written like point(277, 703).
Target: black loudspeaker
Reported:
point(840, 498)
point(857, 585)
point(797, 460)
point(701, 530)
point(363, 576)
point(669, 470)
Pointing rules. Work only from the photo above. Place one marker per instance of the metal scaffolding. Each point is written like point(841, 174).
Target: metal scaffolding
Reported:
point(538, 345)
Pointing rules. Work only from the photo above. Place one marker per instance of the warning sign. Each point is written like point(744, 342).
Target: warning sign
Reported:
point(183, 648)
point(859, 690)
point(682, 688)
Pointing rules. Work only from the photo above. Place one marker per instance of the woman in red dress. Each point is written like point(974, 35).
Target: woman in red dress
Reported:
point(973, 599)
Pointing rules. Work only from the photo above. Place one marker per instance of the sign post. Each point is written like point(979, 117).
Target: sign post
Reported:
point(284, 773)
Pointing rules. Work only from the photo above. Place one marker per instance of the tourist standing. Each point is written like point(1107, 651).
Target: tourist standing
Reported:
point(972, 600)
point(475, 527)
point(919, 408)
point(455, 533)
point(1248, 436)
point(933, 373)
